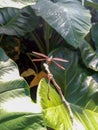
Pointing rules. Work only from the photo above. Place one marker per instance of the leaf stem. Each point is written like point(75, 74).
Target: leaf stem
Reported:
point(32, 62)
point(1, 37)
point(38, 41)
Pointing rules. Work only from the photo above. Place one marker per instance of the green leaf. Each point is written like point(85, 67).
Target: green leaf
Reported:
point(55, 113)
point(92, 3)
point(17, 110)
point(17, 22)
point(67, 17)
point(82, 94)
point(94, 34)
point(16, 3)
point(80, 90)
point(66, 54)
point(89, 56)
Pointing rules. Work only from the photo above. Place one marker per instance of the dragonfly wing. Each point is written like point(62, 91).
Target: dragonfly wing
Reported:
point(60, 66)
point(39, 59)
point(40, 54)
point(60, 59)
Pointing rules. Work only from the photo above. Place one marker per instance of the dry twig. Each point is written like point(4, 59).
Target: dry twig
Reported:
point(51, 78)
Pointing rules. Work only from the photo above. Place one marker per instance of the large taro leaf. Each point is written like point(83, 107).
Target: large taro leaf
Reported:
point(89, 56)
point(67, 17)
point(17, 22)
point(81, 91)
point(65, 54)
point(55, 113)
point(16, 3)
point(17, 110)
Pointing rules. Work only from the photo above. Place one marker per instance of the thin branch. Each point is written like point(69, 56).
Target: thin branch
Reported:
point(59, 91)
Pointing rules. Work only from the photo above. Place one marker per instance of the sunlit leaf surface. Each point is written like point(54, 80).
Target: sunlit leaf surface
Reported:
point(69, 18)
point(16, 3)
point(55, 113)
point(80, 90)
point(17, 110)
point(89, 56)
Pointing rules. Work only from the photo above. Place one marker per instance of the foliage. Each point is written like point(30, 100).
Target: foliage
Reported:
point(67, 33)
point(16, 3)
point(17, 110)
point(17, 22)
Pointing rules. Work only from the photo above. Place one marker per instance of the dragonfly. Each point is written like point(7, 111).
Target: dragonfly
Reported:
point(43, 57)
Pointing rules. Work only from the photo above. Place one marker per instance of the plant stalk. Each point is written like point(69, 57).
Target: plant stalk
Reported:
point(38, 42)
point(59, 91)
point(1, 37)
point(36, 70)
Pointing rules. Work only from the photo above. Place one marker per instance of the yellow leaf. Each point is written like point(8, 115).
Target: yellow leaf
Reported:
point(37, 78)
point(28, 73)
